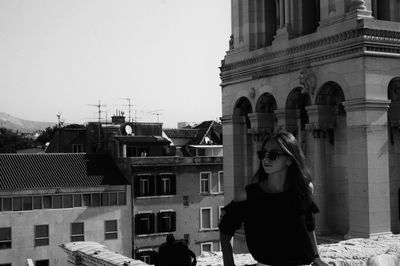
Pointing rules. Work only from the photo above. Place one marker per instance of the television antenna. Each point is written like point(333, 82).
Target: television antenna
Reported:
point(59, 119)
point(157, 113)
point(129, 107)
point(99, 106)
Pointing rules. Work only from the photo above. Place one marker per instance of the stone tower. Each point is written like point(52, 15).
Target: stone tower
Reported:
point(329, 72)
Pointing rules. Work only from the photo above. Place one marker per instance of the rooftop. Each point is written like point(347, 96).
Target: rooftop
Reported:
point(58, 170)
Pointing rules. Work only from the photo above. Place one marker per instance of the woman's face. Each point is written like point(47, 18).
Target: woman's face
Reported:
point(275, 160)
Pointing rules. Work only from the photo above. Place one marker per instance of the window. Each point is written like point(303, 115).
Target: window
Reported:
point(105, 199)
point(111, 229)
point(205, 218)
point(5, 264)
point(77, 232)
point(144, 186)
point(7, 204)
point(27, 203)
point(87, 200)
point(96, 197)
point(220, 181)
point(42, 263)
point(5, 237)
point(144, 223)
point(146, 255)
point(47, 202)
point(121, 198)
point(57, 202)
point(166, 221)
point(205, 182)
point(185, 201)
point(220, 212)
point(17, 204)
point(113, 198)
point(206, 247)
point(76, 148)
point(67, 201)
point(166, 184)
point(77, 200)
point(42, 235)
point(37, 202)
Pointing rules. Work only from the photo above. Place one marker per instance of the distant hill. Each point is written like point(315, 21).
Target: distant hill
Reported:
point(14, 123)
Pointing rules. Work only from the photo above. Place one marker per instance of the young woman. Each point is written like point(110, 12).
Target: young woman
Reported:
point(277, 210)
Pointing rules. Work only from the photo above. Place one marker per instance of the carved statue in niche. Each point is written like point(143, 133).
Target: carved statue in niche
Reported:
point(231, 39)
point(308, 80)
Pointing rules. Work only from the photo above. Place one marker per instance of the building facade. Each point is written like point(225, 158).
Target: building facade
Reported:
point(181, 195)
point(178, 195)
point(50, 199)
point(328, 71)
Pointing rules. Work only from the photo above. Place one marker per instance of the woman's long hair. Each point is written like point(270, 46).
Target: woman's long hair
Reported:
point(298, 175)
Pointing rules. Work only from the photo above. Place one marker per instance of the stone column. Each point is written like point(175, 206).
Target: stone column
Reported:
point(234, 134)
point(282, 30)
point(368, 167)
point(321, 123)
point(286, 13)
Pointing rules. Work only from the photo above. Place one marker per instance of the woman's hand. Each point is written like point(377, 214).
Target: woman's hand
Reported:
point(319, 262)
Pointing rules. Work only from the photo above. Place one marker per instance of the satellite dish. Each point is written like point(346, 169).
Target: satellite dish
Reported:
point(128, 129)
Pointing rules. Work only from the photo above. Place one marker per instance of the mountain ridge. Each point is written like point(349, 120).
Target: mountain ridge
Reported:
point(18, 124)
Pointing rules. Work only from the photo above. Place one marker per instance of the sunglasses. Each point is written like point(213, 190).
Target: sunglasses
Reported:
point(272, 155)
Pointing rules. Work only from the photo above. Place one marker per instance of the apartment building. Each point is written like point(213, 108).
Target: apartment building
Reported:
point(181, 194)
point(51, 199)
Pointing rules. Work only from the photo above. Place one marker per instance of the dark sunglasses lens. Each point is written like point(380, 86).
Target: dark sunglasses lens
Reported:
point(272, 155)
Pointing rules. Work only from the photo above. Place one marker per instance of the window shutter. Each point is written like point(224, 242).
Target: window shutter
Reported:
point(159, 229)
point(152, 185)
point(137, 224)
point(173, 221)
point(158, 185)
point(173, 184)
point(136, 186)
point(152, 219)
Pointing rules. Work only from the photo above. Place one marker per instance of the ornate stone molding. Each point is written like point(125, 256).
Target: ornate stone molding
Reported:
point(233, 119)
point(352, 42)
point(262, 125)
point(287, 119)
point(366, 104)
point(322, 120)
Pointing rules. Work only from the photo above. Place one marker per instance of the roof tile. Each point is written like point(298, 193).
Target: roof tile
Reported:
point(25, 171)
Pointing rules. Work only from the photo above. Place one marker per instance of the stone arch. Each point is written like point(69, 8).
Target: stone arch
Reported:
point(394, 89)
point(324, 78)
point(266, 103)
point(243, 108)
point(393, 118)
point(331, 93)
point(297, 100)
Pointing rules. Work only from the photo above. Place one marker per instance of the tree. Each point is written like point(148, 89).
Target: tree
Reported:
point(11, 141)
point(47, 134)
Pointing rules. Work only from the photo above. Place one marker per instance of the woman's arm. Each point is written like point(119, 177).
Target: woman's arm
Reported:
point(227, 253)
point(317, 261)
point(231, 220)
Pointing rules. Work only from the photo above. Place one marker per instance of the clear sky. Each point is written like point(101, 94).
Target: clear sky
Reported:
point(63, 55)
